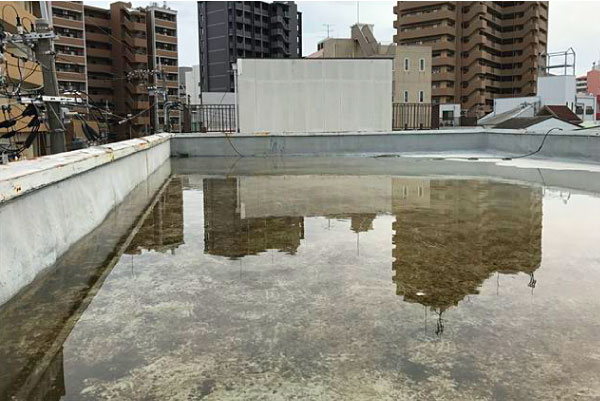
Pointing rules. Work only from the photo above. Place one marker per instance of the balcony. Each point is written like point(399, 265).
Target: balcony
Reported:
point(68, 58)
point(170, 68)
point(94, 67)
point(443, 76)
point(68, 5)
point(97, 37)
point(165, 24)
point(67, 23)
point(135, 57)
point(98, 52)
point(66, 40)
point(280, 21)
point(428, 31)
point(135, 41)
point(100, 83)
point(71, 76)
point(443, 91)
point(134, 26)
point(437, 15)
point(100, 22)
point(445, 60)
point(166, 53)
point(166, 39)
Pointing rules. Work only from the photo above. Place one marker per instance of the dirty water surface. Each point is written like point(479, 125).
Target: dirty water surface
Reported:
point(319, 287)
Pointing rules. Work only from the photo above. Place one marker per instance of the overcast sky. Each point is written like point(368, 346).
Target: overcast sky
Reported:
point(572, 24)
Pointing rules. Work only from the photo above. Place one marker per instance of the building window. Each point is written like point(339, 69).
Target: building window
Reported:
point(422, 64)
point(421, 96)
point(406, 64)
point(405, 96)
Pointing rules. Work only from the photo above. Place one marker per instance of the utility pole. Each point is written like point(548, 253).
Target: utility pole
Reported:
point(166, 120)
point(44, 51)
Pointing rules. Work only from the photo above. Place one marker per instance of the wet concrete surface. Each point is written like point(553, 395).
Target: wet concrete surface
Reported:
point(297, 285)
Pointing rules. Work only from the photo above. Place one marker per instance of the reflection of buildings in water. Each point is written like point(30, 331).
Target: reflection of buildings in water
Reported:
point(314, 195)
point(163, 228)
point(362, 222)
point(446, 247)
point(359, 222)
point(51, 386)
point(228, 233)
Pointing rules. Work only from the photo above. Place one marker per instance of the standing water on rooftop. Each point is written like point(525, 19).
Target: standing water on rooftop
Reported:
point(320, 287)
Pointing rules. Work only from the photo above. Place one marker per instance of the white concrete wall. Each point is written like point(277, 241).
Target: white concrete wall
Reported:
point(48, 204)
point(586, 101)
point(454, 108)
point(581, 146)
point(314, 95)
point(557, 90)
point(192, 84)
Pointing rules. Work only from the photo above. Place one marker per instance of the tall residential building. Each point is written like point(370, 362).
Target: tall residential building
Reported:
point(67, 19)
point(254, 29)
point(412, 64)
point(481, 50)
point(162, 45)
point(98, 48)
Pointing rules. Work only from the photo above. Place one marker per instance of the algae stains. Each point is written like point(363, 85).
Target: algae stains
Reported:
point(423, 294)
point(206, 387)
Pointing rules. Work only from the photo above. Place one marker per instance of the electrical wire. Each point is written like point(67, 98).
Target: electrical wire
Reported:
point(505, 157)
point(137, 115)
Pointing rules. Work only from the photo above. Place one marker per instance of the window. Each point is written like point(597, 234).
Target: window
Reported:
point(422, 64)
point(406, 64)
point(421, 96)
point(405, 96)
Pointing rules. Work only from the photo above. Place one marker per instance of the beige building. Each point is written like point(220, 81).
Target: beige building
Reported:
point(482, 50)
point(412, 64)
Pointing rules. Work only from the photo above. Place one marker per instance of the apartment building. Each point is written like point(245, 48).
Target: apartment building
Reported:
point(581, 84)
point(481, 50)
point(412, 64)
point(232, 29)
point(97, 49)
point(32, 75)
point(67, 20)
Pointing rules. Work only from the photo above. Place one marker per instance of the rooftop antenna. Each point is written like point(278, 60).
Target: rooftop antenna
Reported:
point(358, 12)
point(328, 26)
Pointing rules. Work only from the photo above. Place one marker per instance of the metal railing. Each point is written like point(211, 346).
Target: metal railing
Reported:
point(212, 118)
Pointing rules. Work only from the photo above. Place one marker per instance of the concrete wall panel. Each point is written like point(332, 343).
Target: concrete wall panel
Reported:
point(314, 95)
point(564, 145)
point(61, 199)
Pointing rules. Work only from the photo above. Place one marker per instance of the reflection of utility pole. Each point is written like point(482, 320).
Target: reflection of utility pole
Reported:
point(45, 55)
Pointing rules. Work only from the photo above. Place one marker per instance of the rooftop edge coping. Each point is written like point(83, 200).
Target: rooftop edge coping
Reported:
point(22, 177)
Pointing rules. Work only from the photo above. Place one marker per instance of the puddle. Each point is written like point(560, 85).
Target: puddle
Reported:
point(325, 287)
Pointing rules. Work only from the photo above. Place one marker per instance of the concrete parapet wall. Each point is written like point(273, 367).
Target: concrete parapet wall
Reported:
point(322, 143)
point(48, 204)
point(575, 145)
